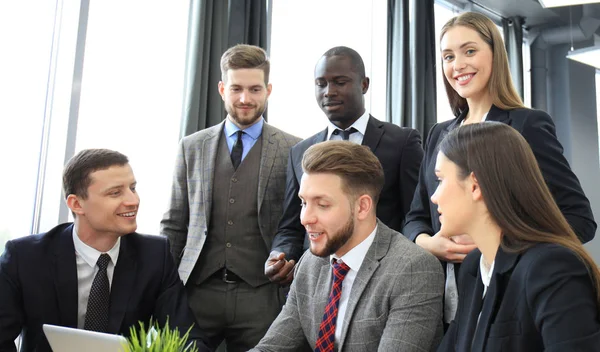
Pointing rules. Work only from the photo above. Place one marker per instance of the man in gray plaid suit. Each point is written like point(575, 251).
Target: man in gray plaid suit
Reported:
point(362, 286)
point(225, 206)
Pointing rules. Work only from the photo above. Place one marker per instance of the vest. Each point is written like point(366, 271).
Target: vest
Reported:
point(234, 239)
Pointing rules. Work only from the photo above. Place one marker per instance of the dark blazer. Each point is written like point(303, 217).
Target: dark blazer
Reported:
point(38, 285)
point(400, 152)
point(395, 302)
point(539, 131)
point(540, 300)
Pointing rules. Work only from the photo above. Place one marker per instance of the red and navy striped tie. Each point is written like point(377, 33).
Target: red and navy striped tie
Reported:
point(326, 339)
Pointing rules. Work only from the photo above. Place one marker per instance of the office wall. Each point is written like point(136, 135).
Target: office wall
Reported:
point(571, 98)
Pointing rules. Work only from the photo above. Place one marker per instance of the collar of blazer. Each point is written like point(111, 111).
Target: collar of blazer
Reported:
point(503, 267)
point(66, 285)
point(495, 114)
point(371, 138)
point(379, 249)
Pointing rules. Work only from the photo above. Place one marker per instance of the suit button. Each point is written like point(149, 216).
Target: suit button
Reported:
point(228, 245)
point(231, 200)
point(233, 179)
point(229, 222)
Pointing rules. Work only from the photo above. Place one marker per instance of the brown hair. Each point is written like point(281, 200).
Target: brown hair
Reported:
point(360, 170)
point(500, 85)
point(245, 56)
point(513, 189)
point(76, 175)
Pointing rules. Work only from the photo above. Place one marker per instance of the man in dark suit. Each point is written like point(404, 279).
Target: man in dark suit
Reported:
point(362, 286)
point(96, 273)
point(226, 202)
point(340, 83)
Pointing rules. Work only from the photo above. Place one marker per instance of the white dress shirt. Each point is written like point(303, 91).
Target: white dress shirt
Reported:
point(357, 137)
point(86, 258)
point(354, 259)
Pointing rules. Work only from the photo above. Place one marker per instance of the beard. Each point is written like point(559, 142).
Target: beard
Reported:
point(248, 118)
point(336, 240)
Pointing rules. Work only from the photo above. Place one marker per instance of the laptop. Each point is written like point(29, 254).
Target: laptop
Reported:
point(64, 339)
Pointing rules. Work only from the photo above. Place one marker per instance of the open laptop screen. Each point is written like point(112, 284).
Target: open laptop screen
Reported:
point(64, 339)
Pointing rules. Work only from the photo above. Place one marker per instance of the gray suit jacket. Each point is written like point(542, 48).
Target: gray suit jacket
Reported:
point(395, 303)
point(186, 221)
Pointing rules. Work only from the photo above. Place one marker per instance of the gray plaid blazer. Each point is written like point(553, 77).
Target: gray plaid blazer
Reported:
point(395, 303)
point(186, 221)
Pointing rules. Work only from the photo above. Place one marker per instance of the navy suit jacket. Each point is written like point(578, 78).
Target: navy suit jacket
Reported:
point(538, 129)
point(540, 300)
point(38, 285)
point(400, 152)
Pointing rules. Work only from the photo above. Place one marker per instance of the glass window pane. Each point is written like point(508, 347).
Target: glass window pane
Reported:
point(131, 95)
point(26, 34)
point(442, 15)
point(297, 43)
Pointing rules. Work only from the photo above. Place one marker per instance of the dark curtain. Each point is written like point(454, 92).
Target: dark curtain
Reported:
point(513, 40)
point(411, 88)
point(214, 26)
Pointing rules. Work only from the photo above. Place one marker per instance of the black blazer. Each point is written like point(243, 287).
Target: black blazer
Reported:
point(38, 285)
point(540, 300)
point(539, 131)
point(400, 152)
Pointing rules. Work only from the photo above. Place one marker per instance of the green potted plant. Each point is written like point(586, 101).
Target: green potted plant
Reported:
point(157, 339)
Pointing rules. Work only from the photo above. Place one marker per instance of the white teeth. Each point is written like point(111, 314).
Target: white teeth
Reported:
point(314, 235)
point(128, 214)
point(464, 78)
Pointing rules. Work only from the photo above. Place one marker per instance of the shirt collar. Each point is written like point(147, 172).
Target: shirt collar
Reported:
point(90, 255)
point(355, 257)
point(360, 125)
point(486, 275)
point(253, 131)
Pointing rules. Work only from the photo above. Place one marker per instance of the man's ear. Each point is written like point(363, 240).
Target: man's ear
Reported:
point(74, 203)
point(364, 206)
point(474, 187)
point(222, 89)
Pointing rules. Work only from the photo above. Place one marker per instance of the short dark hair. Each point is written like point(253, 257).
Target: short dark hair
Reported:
point(76, 175)
point(357, 62)
point(360, 170)
point(245, 56)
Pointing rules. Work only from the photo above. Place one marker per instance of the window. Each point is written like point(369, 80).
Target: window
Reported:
point(299, 38)
point(130, 90)
point(442, 15)
point(25, 70)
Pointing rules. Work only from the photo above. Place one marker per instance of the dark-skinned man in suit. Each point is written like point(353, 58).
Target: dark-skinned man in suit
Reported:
point(340, 86)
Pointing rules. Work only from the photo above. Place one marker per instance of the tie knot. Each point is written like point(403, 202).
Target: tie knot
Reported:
point(345, 133)
point(340, 269)
point(239, 135)
point(103, 261)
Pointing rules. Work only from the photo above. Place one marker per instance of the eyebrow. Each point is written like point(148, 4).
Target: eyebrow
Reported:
point(462, 46)
point(119, 187)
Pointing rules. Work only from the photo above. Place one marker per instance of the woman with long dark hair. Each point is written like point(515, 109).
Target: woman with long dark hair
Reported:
point(530, 285)
point(479, 88)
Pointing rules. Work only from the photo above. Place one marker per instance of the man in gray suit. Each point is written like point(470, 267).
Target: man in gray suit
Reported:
point(226, 202)
point(361, 287)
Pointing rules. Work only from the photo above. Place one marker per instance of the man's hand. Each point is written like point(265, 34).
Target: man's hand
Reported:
point(278, 269)
point(453, 249)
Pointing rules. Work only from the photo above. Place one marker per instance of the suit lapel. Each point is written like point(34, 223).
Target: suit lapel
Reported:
point(209, 157)
point(473, 307)
point(321, 294)
point(499, 115)
point(503, 265)
point(378, 250)
point(65, 267)
point(267, 158)
point(122, 285)
point(373, 133)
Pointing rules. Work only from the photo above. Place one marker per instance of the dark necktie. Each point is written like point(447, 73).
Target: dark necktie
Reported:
point(326, 338)
point(345, 133)
point(237, 150)
point(96, 316)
